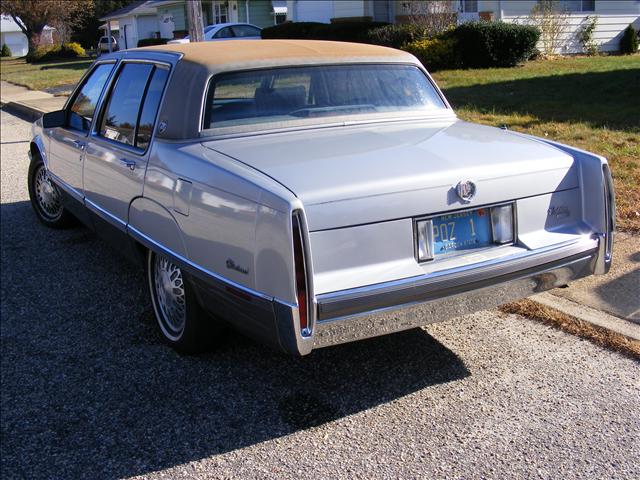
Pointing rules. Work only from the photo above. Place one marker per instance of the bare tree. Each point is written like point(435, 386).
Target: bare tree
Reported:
point(435, 16)
point(553, 21)
point(33, 15)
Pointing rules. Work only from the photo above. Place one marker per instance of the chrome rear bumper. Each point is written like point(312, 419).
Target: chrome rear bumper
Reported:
point(379, 310)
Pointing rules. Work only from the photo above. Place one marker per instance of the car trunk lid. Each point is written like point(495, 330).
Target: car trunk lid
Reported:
point(364, 174)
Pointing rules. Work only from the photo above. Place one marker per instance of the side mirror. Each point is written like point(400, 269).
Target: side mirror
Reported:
point(54, 119)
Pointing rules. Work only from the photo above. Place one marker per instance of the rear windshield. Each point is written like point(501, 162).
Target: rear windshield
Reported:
point(284, 96)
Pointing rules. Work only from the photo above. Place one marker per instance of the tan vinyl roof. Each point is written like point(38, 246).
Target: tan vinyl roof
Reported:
point(211, 54)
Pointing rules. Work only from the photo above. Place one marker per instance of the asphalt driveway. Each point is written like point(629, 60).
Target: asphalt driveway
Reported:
point(89, 391)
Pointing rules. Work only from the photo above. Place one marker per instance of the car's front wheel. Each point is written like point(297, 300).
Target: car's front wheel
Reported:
point(46, 198)
point(183, 324)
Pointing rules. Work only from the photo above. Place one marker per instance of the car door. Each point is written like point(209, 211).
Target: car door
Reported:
point(118, 149)
point(67, 143)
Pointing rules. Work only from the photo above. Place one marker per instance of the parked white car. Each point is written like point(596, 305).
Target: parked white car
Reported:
point(103, 45)
point(312, 193)
point(226, 31)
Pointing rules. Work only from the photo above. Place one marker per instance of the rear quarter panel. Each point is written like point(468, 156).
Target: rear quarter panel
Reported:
point(231, 221)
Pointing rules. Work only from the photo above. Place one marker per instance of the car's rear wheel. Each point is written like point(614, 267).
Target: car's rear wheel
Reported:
point(46, 198)
point(182, 322)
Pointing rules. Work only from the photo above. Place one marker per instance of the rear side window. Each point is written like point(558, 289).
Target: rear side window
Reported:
point(84, 105)
point(130, 112)
point(121, 115)
point(150, 106)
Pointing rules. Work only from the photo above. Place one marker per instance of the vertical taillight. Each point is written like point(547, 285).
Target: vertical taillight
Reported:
point(610, 211)
point(301, 275)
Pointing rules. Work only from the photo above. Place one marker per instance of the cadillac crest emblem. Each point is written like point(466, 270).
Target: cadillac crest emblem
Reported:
point(466, 190)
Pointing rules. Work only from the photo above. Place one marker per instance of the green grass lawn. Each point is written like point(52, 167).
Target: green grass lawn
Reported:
point(589, 102)
point(42, 75)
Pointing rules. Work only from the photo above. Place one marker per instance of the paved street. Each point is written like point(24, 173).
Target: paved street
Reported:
point(89, 391)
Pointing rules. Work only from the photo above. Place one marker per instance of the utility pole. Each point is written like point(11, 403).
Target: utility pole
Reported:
point(109, 36)
point(194, 17)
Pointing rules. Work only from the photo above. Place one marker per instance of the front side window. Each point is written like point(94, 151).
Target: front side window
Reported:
point(225, 32)
point(84, 105)
point(318, 94)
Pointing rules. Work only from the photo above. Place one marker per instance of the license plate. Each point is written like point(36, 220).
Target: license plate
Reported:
point(462, 231)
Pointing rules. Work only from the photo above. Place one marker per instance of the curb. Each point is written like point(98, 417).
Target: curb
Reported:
point(25, 111)
point(589, 315)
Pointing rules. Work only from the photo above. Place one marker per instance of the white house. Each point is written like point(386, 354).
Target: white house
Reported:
point(12, 36)
point(135, 21)
point(168, 18)
point(613, 15)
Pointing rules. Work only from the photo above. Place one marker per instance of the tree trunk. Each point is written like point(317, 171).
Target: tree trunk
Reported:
point(194, 17)
point(34, 41)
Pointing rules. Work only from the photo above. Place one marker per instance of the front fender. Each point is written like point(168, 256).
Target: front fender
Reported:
point(37, 147)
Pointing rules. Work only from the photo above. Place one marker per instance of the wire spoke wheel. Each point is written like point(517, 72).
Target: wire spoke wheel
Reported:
point(169, 295)
point(47, 195)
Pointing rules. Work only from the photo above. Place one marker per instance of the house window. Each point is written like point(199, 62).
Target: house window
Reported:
point(588, 5)
point(469, 6)
point(577, 5)
point(221, 12)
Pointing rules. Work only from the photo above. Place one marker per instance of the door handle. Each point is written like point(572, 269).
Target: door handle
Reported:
point(130, 164)
point(79, 144)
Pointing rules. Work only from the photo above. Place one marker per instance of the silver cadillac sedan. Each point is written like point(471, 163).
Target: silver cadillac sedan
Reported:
point(312, 193)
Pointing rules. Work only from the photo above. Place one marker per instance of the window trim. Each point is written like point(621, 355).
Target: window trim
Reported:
point(206, 97)
point(72, 98)
point(95, 133)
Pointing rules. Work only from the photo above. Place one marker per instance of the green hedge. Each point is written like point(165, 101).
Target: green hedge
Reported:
point(470, 45)
point(45, 53)
point(629, 40)
point(396, 36)
point(435, 53)
point(147, 42)
point(341, 31)
point(494, 44)
point(291, 30)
